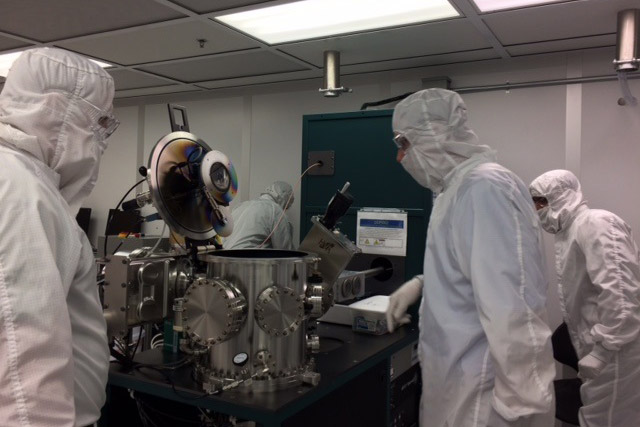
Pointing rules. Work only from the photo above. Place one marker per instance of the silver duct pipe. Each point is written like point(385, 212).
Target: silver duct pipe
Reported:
point(331, 69)
point(332, 86)
point(627, 51)
point(628, 40)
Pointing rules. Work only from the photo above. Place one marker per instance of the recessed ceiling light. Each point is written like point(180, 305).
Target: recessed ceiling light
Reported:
point(308, 19)
point(7, 59)
point(492, 5)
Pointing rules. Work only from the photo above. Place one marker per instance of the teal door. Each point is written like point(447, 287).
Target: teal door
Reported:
point(365, 156)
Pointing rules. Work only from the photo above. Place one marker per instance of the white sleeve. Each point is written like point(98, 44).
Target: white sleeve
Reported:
point(36, 375)
point(282, 237)
point(612, 264)
point(498, 247)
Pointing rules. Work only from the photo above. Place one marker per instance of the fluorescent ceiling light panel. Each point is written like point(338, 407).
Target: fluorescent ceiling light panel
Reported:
point(7, 59)
point(308, 19)
point(493, 5)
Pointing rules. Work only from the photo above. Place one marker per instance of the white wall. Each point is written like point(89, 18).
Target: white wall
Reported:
point(527, 128)
point(276, 143)
point(579, 127)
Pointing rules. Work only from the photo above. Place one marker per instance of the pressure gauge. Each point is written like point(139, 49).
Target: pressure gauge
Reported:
point(240, 359)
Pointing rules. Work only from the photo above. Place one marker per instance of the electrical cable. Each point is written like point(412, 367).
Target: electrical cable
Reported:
point(204, 414)
point(173, 386)
point(155, 340)
point(169, 366)
point(110, 217)
point(176, 240)
point(143, 415)
point(153, 249)
point(287, 204)
point(179, 420)
point(137, 343)
point(120, 244)
point(117, 342)
point(385, 101)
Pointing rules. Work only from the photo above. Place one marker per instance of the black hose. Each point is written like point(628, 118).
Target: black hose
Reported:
point(385, 101)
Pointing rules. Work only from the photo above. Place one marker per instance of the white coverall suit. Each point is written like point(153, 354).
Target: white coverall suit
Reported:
point(484, 347)
point(53, 341)
point(254, 220)
point(599, 287)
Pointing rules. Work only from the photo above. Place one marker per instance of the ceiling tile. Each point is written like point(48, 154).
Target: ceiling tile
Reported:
point(7, 43)
point(413, 41)
point(269, 78)
point(161, 43)
point(562, 45)
point(126, 79)
point(557, 21)
point(225, 67)
point(168, 49)
point(422, 61)
point(54, 20)
point(204, 6)
point(160, 90)
point(383, 66)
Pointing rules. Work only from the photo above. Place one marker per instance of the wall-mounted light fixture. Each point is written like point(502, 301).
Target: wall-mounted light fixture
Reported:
point(311, 19)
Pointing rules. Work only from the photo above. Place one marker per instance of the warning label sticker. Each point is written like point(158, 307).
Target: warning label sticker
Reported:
point(381, 232)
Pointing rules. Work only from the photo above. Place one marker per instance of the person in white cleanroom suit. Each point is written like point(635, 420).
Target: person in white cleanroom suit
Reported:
point(255, 220)
point(484, 346)
point(599, 274)
point(55, 114)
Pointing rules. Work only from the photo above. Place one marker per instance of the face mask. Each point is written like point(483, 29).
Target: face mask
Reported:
point(548, 222)
point(418, 167)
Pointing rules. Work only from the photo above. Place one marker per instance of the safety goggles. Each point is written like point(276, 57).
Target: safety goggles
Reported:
point(401, 141)
point(105, 123)
point(540, 202)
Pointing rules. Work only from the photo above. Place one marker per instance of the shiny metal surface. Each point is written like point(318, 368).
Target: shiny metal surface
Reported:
point(331, 69)
point(213, 311)
point(313, 343)
point(334, 249)
point(262, 273)
point(174, 182)
point(138, 290)
point(628, 40)
point(219, 176)
point(350, 284)
point(331, 79)
point(279, 310)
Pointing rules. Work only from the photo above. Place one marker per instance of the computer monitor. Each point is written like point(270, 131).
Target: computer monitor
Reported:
point(124, 222)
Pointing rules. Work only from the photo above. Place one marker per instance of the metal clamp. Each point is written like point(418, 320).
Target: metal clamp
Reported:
point(313, 343)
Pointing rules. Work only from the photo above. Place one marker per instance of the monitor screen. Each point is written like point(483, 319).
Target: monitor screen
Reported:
point(124, 222)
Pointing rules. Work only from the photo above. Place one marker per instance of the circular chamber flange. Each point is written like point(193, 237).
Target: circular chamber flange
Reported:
point(279, 311)
point(214, 311)
point(175, 185)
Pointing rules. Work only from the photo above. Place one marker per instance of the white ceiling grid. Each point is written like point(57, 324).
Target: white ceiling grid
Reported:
point(155, 49)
